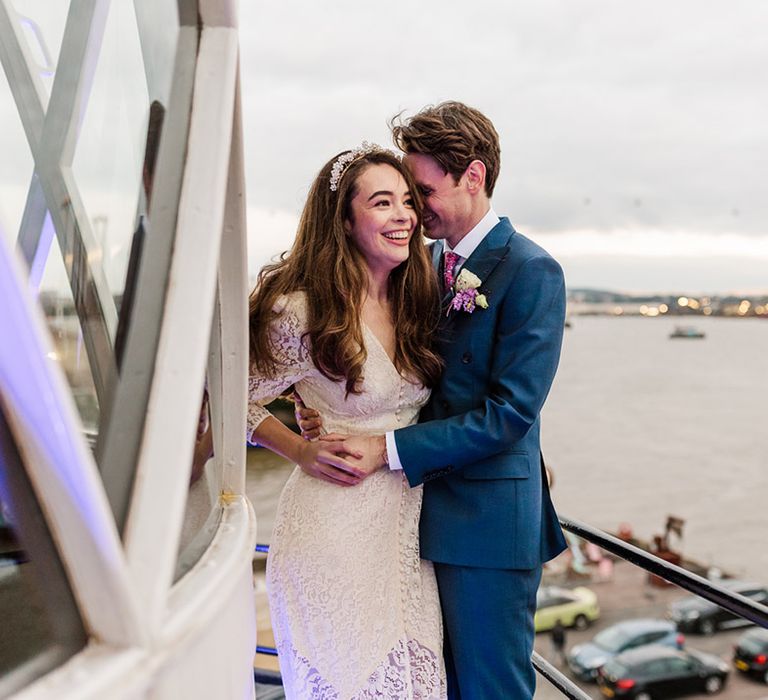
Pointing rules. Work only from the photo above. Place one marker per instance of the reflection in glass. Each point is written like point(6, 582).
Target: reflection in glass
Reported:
point(154, 128)
point(16, 165)
point(40, 621)
point(110, 149)
point(58, 305)
point(43, 22)
point(203, 510)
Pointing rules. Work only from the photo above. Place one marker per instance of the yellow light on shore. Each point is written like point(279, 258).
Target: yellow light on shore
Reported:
point(744, 307)
point(707, 311)
point(682, 301)
point(653, 311)
point(663, 308)
point(644, 310)
point(693, 304)
point(617, 311)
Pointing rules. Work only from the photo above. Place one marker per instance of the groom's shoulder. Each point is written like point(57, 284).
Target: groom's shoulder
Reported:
point(523, 249)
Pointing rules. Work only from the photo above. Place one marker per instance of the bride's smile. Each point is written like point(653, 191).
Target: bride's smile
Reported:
point(382, 218)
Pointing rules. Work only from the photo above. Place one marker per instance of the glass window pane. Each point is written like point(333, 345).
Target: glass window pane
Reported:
point(69, 351)
point(16, 165)
point(203, 510)
point(110, 150)
point(43, 24)
point(40, 621)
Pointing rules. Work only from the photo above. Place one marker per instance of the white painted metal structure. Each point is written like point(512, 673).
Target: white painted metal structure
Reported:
point(151, 628)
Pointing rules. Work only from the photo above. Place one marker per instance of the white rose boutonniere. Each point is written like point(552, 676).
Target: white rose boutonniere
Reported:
point(466, 297)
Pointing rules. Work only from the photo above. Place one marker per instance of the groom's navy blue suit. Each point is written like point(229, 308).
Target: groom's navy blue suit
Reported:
point(487, 520)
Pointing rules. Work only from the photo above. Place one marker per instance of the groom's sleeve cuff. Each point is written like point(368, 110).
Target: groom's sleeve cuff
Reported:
point(392, 456)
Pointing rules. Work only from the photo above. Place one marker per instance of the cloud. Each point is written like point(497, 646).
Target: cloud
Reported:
point(612, 103)
point(634, 128)
point(613, 117)
point(270, 233)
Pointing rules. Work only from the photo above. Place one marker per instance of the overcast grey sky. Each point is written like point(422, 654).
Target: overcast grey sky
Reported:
point(634, 135)
point(634, 142)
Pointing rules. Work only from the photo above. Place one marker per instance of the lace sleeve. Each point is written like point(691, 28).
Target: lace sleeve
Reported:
point(292, 355)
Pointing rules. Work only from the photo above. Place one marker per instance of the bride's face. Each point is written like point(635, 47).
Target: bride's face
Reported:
point(382, 218)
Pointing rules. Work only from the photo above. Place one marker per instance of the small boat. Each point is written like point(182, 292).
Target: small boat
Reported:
point(687, 332)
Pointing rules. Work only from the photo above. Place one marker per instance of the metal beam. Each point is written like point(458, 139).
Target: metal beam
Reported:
point(120, 440)
point(183, 349)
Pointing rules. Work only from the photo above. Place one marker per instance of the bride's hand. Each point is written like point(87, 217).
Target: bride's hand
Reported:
point(326, 460)
point(370, 450)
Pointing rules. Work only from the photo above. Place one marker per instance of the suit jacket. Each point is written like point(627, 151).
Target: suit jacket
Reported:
point(476, 446)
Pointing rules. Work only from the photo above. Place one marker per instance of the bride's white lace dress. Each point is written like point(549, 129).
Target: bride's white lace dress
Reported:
point(354, 609)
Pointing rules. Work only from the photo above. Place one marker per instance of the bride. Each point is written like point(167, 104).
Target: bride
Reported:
point(347, 317)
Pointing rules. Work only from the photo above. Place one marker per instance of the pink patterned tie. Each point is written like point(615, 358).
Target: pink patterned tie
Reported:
point(449, 262)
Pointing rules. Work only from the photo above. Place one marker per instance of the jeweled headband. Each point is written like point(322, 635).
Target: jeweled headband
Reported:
point(343, 161)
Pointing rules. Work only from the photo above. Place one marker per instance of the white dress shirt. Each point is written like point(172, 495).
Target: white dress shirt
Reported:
point(464, 248)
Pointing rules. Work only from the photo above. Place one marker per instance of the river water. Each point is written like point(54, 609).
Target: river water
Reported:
point(639, 426)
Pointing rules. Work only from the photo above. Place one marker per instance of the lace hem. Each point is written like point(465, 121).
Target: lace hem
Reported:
point(410, 672)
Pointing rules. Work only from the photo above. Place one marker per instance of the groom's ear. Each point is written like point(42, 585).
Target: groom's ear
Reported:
point(475, 176)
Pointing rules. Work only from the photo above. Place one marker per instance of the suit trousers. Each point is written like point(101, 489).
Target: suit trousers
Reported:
point(489, 632)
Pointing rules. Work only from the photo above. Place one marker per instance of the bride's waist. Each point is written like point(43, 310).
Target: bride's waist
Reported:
point(373, 426)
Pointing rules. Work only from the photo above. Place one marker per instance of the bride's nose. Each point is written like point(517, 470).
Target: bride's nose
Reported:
point(400, 213)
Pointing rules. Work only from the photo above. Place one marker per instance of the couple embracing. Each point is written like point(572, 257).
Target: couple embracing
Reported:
point(410, 538)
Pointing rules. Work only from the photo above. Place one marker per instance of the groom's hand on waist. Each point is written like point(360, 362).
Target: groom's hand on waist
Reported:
point(372, 448)
point(309, 421)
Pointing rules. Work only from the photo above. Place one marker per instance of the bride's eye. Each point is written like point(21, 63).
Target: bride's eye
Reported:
point(409, 202)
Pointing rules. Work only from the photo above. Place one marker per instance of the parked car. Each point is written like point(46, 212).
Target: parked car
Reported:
point(656, 671)
point(574, 608)
point(750, 655)
point(694, 614)
point(586, 660)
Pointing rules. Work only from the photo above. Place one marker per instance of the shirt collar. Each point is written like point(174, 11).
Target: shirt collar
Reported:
point(467, 245)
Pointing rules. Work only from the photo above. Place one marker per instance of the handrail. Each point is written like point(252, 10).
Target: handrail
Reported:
point(698, 585)
point(557, 678)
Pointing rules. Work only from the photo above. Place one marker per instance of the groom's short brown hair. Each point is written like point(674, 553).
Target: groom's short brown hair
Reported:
point(454, 135)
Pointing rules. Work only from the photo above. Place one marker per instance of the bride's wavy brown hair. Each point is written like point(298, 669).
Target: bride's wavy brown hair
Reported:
point(325, 264)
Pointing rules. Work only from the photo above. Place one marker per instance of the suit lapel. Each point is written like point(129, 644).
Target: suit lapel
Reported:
point(437, 256)
point(491, 250)
point(483, 261)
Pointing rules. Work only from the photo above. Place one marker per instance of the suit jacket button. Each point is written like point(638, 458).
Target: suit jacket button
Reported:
point(466, 358)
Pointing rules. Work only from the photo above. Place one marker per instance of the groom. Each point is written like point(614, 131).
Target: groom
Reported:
point(487, 521)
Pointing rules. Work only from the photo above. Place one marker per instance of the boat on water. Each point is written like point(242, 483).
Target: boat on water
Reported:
point(687, 332)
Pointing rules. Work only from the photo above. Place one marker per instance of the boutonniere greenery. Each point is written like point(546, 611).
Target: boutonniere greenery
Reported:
point(465, 293)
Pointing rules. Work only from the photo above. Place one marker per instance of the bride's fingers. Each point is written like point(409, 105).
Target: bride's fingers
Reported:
point(333, 437)
point(341, 464)
point(351, 451)
point(338, 476)
point(344, 479)
point(340, 447)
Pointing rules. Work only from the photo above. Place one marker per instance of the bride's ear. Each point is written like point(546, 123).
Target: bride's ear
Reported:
point(347, 226)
